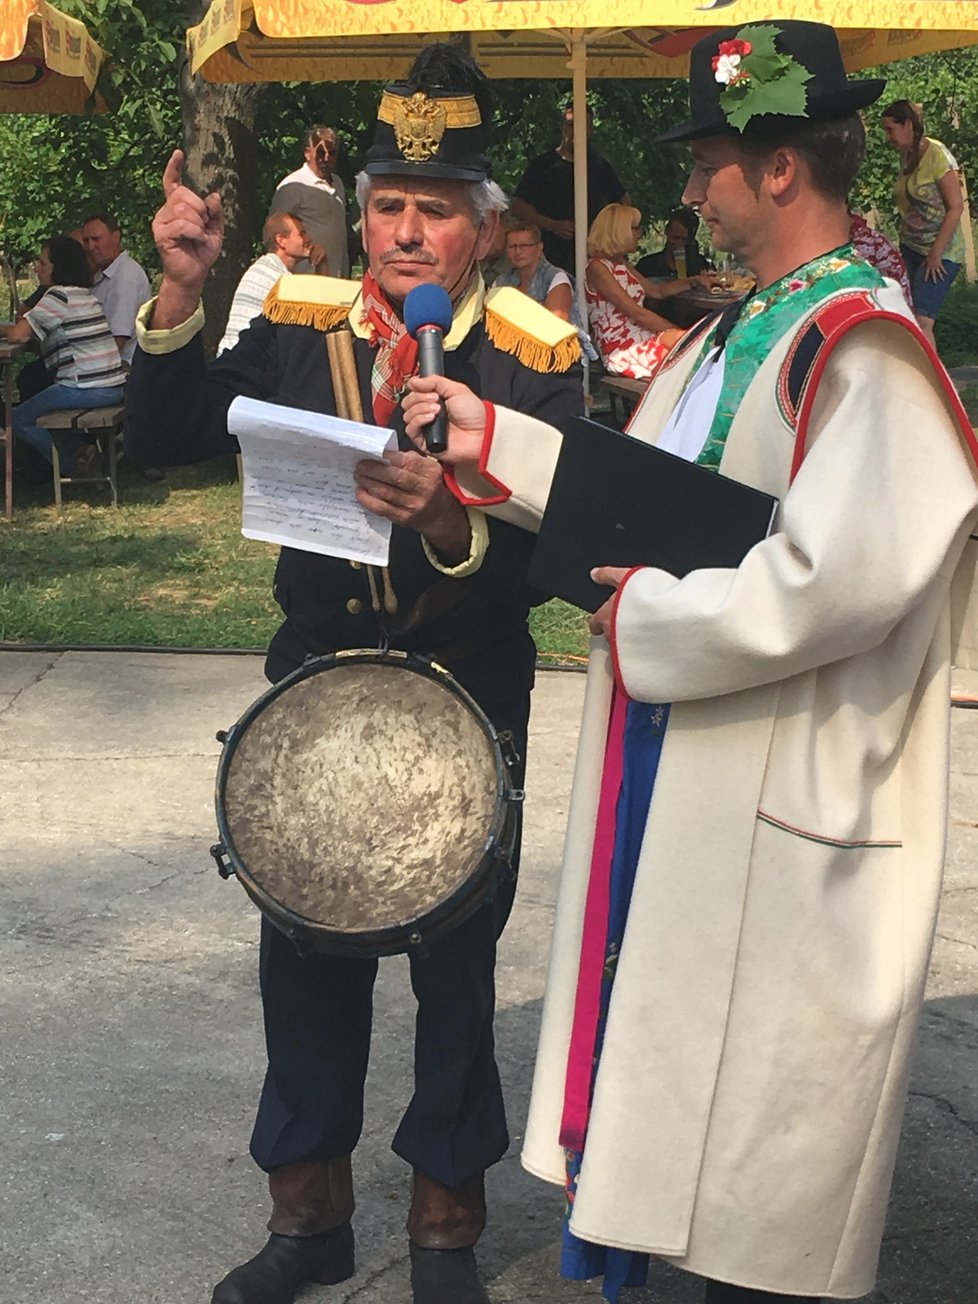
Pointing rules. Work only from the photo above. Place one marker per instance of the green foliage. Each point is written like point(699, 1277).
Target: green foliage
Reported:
point(55, 170)
point(771, 82)
point(627, 117)
point(956, 328)
point(969, 397)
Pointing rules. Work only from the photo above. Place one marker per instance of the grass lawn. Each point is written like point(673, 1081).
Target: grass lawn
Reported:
point(969, 397)
point(168, 568)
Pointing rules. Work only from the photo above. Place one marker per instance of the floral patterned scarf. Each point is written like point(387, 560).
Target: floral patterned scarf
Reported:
point(396, 355)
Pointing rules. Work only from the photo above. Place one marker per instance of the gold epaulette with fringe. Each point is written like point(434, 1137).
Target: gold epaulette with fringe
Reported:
point(519, 325)
point(309, 300)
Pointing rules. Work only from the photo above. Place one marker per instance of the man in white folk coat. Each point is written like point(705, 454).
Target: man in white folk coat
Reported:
point(752, 872)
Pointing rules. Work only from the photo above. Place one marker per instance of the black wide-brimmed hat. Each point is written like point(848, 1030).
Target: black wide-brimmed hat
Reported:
point(755, 79)
point(435, 123)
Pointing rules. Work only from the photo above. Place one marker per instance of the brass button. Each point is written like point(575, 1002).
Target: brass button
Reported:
point(354, 606)
point(357, 565)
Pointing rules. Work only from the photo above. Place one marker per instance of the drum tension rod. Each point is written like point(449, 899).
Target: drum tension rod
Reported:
point(510, 755)
point(219, 853)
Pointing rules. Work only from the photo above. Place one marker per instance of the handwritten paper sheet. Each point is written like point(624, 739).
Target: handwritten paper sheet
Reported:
point(298, 480)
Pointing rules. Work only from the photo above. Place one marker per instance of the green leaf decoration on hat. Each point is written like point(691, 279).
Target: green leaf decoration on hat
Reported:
point(757, 78)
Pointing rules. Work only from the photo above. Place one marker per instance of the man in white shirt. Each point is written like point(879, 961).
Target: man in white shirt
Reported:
point(286, 245)
point(121, 286)
point(316, 195)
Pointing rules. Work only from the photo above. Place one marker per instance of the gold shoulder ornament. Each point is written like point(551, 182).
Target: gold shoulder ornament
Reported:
point(519, 325)
point(309, 300)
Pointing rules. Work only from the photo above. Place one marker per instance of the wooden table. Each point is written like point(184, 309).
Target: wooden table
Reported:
point(8, 352)
point(689, 307)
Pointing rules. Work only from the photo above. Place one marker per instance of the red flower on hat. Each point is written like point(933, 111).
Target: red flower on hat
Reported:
point(726, 62)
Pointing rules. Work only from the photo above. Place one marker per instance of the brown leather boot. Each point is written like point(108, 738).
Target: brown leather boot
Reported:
point(310, 1197)
point(444, 1224)
point(312, 1239)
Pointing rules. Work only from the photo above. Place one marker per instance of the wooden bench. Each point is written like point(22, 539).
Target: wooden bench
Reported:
point(623, 395)
point(100, 426)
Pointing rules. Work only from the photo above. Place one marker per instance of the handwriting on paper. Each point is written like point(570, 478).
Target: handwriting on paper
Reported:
point(299, 489)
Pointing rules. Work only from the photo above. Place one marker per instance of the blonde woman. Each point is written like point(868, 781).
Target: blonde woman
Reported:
point(631, 338)
point(929, 197)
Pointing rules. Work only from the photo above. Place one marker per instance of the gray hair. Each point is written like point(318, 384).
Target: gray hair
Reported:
point(485, 197)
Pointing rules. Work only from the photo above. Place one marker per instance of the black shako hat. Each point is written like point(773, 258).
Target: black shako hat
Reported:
point(434, 123)
point(790, 71)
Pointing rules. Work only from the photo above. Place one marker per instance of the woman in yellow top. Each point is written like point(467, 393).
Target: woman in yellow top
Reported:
point(930, 200)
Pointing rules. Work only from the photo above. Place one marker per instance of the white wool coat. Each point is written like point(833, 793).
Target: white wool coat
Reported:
point(753, 1077)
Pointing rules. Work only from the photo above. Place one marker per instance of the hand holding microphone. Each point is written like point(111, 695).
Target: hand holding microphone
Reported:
point(428, 318)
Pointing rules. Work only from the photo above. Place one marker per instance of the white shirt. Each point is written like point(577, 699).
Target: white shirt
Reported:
point(688, 428)
point(249, 297)
point(122, 288)
point(307, 177)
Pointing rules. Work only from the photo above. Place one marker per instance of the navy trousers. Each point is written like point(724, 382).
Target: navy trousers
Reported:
point(318, 1010)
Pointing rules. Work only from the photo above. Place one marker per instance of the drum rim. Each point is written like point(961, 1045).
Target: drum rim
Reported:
point(393, 939)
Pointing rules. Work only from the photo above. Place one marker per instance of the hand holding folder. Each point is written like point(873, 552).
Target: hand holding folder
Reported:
point(616, 501)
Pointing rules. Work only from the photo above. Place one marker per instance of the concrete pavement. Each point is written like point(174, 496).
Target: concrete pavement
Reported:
point(132, 1049)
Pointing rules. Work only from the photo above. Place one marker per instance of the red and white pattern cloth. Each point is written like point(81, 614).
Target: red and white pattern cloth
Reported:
point(880, 252)
point(626, 348)
point(397, 352)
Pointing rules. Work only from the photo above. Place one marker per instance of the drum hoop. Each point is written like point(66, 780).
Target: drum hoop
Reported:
point(381, 941)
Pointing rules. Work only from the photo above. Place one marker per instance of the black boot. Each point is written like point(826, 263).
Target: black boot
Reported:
point(445, 1277)
point(275, 1274)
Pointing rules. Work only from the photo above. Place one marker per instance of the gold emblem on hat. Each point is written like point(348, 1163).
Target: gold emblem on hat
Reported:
point(419, 124)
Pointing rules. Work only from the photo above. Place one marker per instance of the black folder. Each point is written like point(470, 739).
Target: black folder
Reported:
point(616, 501)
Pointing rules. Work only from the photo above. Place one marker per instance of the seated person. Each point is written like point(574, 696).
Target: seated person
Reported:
point(681, 255)
point(77, 348)
point(527, 269)
point(880, 253)
point(530, 271)
point(33, 376)
point(631, 339)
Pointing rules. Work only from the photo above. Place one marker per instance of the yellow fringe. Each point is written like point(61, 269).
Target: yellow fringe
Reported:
point(531, 352)
point(323, 316)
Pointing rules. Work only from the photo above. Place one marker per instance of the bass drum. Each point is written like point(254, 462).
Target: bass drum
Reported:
point(364, 804)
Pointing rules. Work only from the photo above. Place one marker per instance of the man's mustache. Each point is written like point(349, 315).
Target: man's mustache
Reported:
point(416, 255)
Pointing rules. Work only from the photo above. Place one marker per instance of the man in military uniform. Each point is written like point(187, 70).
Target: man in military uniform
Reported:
point(455, 588)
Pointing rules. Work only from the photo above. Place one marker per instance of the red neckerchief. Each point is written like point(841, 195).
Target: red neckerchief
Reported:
point(396, 355)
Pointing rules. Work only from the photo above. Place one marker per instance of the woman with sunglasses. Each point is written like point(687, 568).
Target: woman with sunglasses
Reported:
point(631, 338)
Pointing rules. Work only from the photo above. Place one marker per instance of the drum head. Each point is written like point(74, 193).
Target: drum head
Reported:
point(359, 798)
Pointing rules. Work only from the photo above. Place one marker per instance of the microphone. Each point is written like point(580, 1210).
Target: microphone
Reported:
point(428, 318)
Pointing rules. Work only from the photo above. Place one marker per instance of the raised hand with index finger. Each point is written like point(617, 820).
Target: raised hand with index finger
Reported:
point(188, 232)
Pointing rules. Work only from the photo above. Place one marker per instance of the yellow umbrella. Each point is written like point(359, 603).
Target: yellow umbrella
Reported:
point(48, 61)
point(345, 40)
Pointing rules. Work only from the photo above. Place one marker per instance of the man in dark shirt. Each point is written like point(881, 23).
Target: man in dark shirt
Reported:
point(545, 193)
point(454, 590)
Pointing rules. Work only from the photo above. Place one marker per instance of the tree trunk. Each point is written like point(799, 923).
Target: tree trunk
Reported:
point(222, 155)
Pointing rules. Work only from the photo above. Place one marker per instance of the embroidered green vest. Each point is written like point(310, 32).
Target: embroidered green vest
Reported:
point(765, 318)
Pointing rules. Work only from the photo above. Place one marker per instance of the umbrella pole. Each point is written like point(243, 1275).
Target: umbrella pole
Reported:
point(578, 66)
